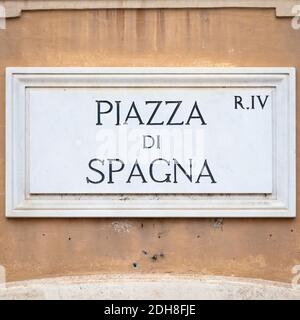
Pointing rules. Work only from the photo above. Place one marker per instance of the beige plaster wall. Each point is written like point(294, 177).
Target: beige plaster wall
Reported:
point(258, 248)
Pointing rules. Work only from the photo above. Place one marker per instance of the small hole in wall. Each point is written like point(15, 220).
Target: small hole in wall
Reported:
point(154, 258)
point(135, 265)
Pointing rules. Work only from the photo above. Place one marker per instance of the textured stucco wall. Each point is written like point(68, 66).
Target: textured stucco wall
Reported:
point(258, 248)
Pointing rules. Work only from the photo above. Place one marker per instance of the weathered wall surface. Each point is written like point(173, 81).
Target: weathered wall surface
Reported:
point(258, 248)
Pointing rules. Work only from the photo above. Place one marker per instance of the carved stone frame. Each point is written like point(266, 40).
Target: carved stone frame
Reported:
point(21, 203)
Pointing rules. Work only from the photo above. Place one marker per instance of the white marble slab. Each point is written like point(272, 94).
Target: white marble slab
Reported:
point(231, 146)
